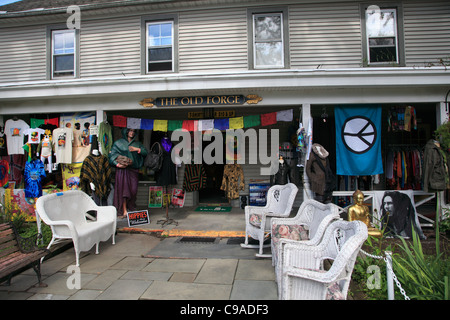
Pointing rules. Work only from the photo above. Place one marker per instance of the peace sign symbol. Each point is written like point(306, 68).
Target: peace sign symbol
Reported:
point(359, 134)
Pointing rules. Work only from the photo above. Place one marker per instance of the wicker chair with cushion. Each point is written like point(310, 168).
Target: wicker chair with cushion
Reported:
point(304, 275)
point(65, 212)
point(280, 199)
point(308, 226)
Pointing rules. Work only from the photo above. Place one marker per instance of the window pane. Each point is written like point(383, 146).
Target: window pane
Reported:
point(63, 42)
point(380, 23)
point(166, 30)
point(160, 34)
point(382, 42)
point(163, 66)
point(58, 41)
point(63, 63)
point(383, 54)
point(160, 54)
point(269, 54)
point(268, 27)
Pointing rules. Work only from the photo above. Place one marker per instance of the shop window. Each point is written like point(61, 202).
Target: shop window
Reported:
point(268, 40)
point(63, 53)
point(382, 36)
point(160, 40)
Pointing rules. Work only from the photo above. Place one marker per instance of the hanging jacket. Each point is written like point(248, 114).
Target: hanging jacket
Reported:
point(321, 178)
point(435, 168)
point(233, 180)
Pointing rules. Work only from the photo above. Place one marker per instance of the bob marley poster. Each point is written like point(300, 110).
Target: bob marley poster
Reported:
point(397, 214)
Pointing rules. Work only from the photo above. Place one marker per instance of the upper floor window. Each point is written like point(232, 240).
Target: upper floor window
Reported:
point(63, 53)
point(269, 40)
point(383, 41)
point(160, 43)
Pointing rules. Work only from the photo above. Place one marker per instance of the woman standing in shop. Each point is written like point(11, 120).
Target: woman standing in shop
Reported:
point(127, 155)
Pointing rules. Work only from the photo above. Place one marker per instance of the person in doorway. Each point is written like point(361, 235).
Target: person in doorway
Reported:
point(127, 155)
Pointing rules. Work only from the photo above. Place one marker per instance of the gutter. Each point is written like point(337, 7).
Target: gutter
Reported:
point(83, 7)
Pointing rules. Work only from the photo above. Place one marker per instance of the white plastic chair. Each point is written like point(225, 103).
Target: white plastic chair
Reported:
point(308, 226)
point(280, 199)
point(303, 273)
point(65, 212)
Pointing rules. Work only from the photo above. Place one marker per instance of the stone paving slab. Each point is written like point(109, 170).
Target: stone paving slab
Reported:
point(218, 271)
point(255, 270)
point(161, 290)
point(254, 290)
point(125, 290)
point(175, 265)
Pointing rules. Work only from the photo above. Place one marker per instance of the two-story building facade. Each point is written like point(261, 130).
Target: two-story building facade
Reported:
point(223, 59)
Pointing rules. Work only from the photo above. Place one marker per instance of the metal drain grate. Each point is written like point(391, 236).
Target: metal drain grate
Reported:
point(197, 240)
point(240, 240)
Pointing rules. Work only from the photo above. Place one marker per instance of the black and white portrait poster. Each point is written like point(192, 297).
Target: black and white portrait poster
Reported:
point(397, 214)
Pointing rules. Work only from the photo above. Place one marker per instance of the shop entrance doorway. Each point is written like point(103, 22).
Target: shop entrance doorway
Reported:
point(214, 174)
point(212, 193)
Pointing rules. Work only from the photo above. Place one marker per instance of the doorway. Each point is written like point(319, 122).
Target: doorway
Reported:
point(214, 175)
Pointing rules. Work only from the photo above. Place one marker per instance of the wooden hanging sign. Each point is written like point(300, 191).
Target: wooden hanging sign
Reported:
point(218, 100)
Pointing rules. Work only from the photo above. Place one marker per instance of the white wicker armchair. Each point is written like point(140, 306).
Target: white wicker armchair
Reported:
point(280, 199)
point(303, 274)
point(65, 212)
point(308, 226)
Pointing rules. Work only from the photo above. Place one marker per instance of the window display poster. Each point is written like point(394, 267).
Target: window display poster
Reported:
point(80, 123)
point(178, 197)
point(155, 197)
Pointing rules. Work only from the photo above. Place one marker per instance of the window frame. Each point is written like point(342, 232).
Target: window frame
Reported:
point(155, 20)
point(251, 15)
point(399, 37)
point(51, 30)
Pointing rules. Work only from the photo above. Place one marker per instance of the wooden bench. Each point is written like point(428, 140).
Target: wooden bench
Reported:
point(17, 253)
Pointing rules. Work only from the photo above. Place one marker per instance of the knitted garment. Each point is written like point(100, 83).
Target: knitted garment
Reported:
point(194, 177)
point(96, 169)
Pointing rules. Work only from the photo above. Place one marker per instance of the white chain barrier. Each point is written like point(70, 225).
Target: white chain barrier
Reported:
point(391, 277)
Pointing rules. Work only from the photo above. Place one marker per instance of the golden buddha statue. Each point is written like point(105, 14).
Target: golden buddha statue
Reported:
point(358, 211)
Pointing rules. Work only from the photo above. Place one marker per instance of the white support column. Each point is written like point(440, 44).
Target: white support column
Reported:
point(306, 120)
point(100, 116)
point(442, 113)
point(442, 116)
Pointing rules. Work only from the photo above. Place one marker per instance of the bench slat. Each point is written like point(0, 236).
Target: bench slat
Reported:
point(19, 261)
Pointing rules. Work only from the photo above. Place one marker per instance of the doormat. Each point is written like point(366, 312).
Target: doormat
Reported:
point(213, 209)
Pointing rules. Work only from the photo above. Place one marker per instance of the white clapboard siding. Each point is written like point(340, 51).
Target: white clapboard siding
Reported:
point(213, 39)
point(110, 47)
point(22, 54)
point(325, 36)
point(427, 32)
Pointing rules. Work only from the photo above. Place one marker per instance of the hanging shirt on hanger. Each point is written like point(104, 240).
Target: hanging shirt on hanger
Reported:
point(14, 131)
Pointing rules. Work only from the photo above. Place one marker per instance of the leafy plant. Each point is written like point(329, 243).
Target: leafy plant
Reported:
point(423, 277)
point(442, 134)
